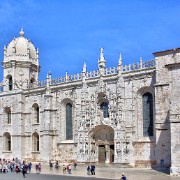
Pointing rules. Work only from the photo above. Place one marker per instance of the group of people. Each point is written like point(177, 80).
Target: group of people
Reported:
point(91, 170)
point(38, 168)
point(56, 165)
point(15, 165)
point(67, 169)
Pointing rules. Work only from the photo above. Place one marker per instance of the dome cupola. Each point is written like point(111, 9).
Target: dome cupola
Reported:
point(21, 49)
point(21, 63)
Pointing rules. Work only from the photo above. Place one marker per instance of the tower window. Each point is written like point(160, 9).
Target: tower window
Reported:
point(36, 113)
point(147, 114)
point(7, 115)
point(69, 132)
point(10, 83)
point(35, 141)
point(7, 142)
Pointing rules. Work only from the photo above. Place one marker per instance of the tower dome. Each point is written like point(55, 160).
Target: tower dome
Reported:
point(20, 64)
point(21, 49)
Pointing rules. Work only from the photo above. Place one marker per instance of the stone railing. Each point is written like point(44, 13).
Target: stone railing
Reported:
point(67, 78)
point(93, 74)
point(139, 65)
point(109, 71)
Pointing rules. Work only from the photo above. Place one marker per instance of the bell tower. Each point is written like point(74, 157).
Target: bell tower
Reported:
point(20, 64)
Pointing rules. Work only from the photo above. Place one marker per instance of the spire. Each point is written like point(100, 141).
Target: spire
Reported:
point(84, 67)
point(49, 74)
point(140, 63)
point(120, 60)
point(66, 77)
point(120, 64)
point(102, 62)
point(102, 59)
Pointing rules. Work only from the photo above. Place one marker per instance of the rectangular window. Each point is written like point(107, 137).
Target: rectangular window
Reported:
point(9, 117)
point(147, 114)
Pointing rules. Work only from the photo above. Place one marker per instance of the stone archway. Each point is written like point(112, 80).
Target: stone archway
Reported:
point(102, 143)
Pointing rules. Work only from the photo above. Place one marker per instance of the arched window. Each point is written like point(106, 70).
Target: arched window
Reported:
point(36, 113)
point(31, 84)
point(104, 108)
point(35, 141)
point(10, 83)
point(7, 141)
point(147, 114)
point(69, 132)
point(8, 115)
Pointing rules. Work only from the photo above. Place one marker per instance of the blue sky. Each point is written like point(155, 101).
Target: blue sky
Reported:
point(69, 32)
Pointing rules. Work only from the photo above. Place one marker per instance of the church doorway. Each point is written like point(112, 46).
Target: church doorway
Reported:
point(102, 141)
point(101, 154)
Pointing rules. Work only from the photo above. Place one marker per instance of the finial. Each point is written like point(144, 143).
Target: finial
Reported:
point(102, 55)
point(140, 63)
point(84, 67)
point(21, 33)
point(120, 60)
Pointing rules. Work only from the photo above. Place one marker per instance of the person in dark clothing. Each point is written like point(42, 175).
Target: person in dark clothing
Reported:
point(123, 177)
point(75, 165)
point(24, 170)
point(93, 169)
point(57, 165)
point(50, 165)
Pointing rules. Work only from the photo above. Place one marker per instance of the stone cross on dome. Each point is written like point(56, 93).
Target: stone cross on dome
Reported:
point(21, 33)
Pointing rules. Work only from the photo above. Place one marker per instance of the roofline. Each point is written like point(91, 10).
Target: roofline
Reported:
point(166, 52)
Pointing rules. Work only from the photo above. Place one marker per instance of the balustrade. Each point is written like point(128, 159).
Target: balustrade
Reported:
point(92, 74)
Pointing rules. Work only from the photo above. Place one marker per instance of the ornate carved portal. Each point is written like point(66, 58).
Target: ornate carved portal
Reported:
point(102, 144)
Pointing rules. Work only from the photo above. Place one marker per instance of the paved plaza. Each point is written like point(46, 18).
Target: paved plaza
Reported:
point(101, 173)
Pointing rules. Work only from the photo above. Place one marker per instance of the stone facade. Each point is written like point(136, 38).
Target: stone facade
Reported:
point(126, 115)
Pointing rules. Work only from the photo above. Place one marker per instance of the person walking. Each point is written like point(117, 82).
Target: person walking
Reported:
point(123, 177)
point(50, 165)
point(24, 170)
point(70, 169)
point(39, 168)
point(75, 165)
point(88, 170)
point(93, 169)
point(57, 165)
point(30, 166)
point(64, 169)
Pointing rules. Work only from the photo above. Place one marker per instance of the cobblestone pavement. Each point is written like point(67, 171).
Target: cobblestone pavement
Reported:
point(111, 172)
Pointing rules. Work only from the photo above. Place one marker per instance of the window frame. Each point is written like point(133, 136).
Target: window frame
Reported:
point(148, 114)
